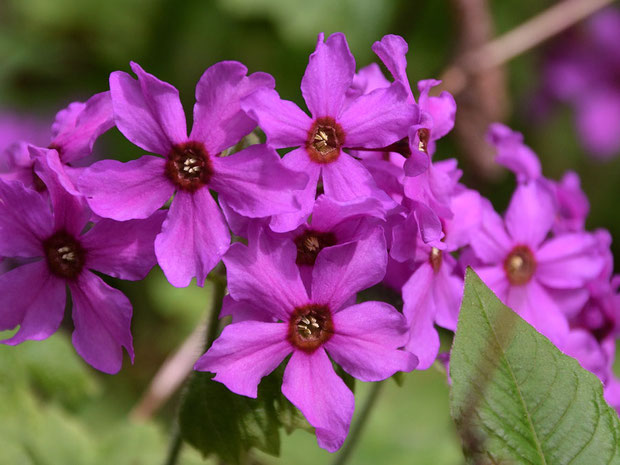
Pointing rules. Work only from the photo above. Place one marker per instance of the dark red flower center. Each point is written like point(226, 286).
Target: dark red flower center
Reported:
point(435, 259)
point(310, 327)
point(64, 254)
point(325, 139)
point(310, 243)
point(189, 166)
point(424, 136)
point(520, 265)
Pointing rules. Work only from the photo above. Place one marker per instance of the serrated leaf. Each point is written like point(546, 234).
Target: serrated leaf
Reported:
point(517, 399)
point(217, 421)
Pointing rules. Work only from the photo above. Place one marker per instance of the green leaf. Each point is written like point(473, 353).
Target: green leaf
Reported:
point(217, 421)
point(517, 399)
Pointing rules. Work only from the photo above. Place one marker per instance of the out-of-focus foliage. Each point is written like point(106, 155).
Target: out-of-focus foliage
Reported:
point(45, 391)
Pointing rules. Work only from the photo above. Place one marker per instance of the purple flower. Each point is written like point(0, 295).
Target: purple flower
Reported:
point(433, 293)
point(436, 116)
point(571, 202)
point(372, 120)
point(363, 338)
point(333, 223)
point(513, 153)
point(541, 279)
point(583, 69)
point(74, 132)
point(33, 295)
point(252, 182)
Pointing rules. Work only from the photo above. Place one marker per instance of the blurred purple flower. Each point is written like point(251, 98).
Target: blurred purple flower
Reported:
point(73, 134)
point(582, 69)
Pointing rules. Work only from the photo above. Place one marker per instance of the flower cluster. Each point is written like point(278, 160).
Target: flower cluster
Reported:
point(357, 201)
point(582, 69)
point(542, 263)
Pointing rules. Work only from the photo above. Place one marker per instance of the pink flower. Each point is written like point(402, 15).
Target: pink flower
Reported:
point(544, 280)
point(372, 120)
point(252, 182)
point(33, 295)
point(363, 339)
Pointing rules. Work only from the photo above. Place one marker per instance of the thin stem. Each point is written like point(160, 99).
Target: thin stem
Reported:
point(219, 282)
point(213, 325)
point(175, 445)
point(358, 426)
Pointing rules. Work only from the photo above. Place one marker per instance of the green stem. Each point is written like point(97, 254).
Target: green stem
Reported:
point(175, 445)
point(213, 326)
point(358, 426)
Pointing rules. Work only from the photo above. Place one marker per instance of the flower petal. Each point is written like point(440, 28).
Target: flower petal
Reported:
point(164, 103)
point(25, 220)
point(193, 238)
point(265, 273)
point(347, 179)
point(379, 118)
point(495, 278)
point(343, 270)
point(392, 51)
point(123, 249)
point(71, 213)
point(255, 183)
point(244, 353)
point(313, 386)
point(366, 341)
point(125, 191)
point(513, 153)
point(441, 108)
point(134, 115)
point(536, 307)
point(530, 214)
point(32, 298)
point(283, 122)
point(328, 76)
point(419, 309)
point(568, 261)
point(491, 242)
point(75, 136)
point(447, 294)
point(102, 320)
point(298, 160)
point(219, 121)
point(329, 213)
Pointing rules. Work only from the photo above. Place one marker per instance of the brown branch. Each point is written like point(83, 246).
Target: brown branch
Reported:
point(170, 376)
point(485, 99)
point(520, 39)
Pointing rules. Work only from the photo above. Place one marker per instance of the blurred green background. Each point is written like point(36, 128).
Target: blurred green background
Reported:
point(54, 407)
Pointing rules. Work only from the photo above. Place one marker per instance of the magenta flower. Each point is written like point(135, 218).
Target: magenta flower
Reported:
point(363, 338)
point(572, 205)
point(252, 182)
point(33, 295)
point(436, 116)
point(513, 153)
point(74, 132)
point(16, 127)
point(333, 223)
point(376, 119)
point(541, 279)
point(583, 70)
point(433, 293)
